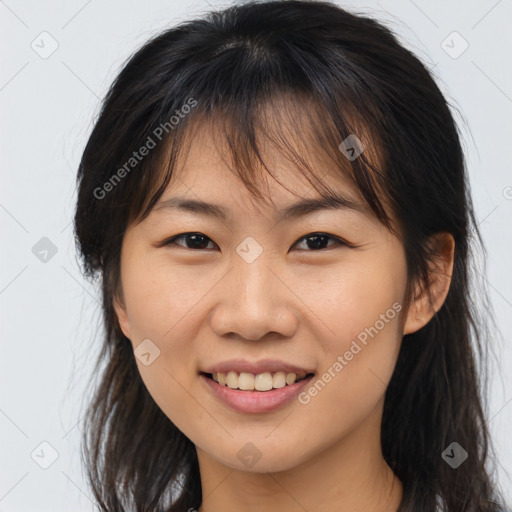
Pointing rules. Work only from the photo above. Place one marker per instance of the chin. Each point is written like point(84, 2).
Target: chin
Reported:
point(260, 457)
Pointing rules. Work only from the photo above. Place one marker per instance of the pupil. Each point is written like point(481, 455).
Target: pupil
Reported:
point(197, 245)
point(320, 239)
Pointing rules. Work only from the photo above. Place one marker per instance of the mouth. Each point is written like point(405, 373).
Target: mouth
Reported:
point(255, 393)
point(262, 382)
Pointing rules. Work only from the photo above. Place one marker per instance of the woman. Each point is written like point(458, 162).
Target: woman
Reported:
point(275, 200)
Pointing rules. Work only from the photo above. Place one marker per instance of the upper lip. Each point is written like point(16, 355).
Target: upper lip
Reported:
point(256, 367)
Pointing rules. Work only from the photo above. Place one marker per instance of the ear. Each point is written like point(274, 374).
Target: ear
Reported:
point(428, 299)
point(122, 316)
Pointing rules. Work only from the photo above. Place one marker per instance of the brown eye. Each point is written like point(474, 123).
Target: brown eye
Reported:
point(319, 241)
point(193, 241)
point(311, 243)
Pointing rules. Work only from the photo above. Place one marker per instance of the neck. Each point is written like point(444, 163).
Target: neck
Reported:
point(349, 476)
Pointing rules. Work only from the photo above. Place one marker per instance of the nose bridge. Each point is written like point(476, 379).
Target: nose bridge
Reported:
point(254, 272)
point(256, 302)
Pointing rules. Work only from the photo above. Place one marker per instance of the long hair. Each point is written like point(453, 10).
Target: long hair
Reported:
point(334, 74)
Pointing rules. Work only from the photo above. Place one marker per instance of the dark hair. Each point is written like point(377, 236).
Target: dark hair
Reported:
point(338, 74)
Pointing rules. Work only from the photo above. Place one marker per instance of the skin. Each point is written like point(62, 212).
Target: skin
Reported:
point(295, 303)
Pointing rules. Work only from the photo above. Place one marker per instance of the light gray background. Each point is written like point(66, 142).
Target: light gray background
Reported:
point(50, 315)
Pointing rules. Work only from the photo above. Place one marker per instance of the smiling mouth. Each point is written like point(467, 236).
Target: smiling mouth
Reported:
point(267, 381)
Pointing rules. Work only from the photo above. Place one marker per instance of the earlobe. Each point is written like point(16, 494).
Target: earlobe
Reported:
point(428, 300)
point(122, 317)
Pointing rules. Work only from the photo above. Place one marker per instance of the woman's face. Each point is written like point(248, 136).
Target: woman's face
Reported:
point(257, 288)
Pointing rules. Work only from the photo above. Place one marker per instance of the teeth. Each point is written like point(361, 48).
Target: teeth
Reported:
point(263, 382)
point(290, 378)
point(260, 382)
point(279, 380)
point(232, 380)
point(246, 381)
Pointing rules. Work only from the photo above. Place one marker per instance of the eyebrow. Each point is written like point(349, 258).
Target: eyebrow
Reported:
point(299, 209)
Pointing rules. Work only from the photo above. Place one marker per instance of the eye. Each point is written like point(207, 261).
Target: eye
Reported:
point(314, 241)
point(317, 241)
point(197, 240)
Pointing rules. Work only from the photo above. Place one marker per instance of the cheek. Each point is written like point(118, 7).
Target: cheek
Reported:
point(361, 295)
point(159, 297)
point(362, 310)
point(158, 309)
point(164, 306)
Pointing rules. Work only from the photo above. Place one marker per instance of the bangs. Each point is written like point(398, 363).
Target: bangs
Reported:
point(302, 129)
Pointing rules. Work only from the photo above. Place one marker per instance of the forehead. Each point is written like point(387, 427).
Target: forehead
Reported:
point(206, 169)
point(287, 149)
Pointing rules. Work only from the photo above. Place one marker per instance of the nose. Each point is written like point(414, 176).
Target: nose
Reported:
point(254, 302)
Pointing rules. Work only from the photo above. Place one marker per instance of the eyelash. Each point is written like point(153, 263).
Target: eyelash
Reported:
point(339, 241)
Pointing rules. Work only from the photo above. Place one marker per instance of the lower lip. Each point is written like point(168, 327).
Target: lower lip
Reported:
point(255, 401)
